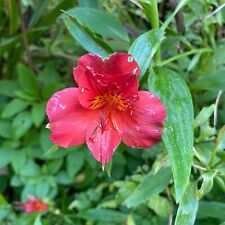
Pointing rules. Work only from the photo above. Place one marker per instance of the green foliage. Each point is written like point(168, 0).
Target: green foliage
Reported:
point(179, 181)
point(178, 135)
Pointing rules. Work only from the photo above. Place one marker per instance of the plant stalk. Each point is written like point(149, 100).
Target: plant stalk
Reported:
point(154, 20)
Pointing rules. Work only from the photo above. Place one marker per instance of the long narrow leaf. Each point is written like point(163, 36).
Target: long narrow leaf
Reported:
point(86, 39)
point(187, 210)
point(178, 134)
point(151, 185)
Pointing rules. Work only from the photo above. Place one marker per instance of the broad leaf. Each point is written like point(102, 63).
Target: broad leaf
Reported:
point(214, 81)
point(144, 48)
point(178, 133)
point(187, 210)
point(13, 107)
point(104, 215)
point(211, 210)
point(27, 80)
point(99, 22)
point(151, 185)
point(86, 39)
point(75, 161)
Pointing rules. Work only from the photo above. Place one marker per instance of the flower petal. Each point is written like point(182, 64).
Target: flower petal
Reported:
point(68, 119)
point(89, 88)
point(142, 126)
point(88, 61)
point(121, 63)
point(62, 103)
point(102, 139)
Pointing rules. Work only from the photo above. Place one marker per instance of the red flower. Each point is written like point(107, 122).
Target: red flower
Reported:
point(33, 205)
point(106, 108)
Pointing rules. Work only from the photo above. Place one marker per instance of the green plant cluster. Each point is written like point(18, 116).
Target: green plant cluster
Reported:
point(180, 48)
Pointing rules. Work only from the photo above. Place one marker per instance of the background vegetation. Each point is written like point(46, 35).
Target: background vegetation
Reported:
point(39, 45)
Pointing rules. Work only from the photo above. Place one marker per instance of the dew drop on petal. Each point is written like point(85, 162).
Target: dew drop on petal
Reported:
point(137, 128)
point(135, 70)
point(130, 59)
point(151, 96)
point(131, 112)
point(82, 90)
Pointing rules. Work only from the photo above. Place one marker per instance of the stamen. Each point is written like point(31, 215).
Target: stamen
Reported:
point(112, 100)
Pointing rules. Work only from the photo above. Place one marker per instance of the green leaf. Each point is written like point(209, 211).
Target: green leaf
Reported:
point(27, 80)
point(19, 160)
point(51, 17)
point(38, 114)
point(204, 115)
point(39, 9)
point(178, 134)
point(86, 39)
point(13, 16)
point(104, 215)
point(211, 210)
point(188, 207)
point(13, 107)
point(151, 185)
point(5, 129)
point(214, 81)
point(89, 3)
point(30, 169)
point(63, 178)
point(207, 184)
point(75, 161)
point(144, 48)
point(42, 189)
point(21, 124)
point(5, 157)
point(99, 22)
point(38, 220)
point(219, 55)
point(160, 205)
point(8, 87)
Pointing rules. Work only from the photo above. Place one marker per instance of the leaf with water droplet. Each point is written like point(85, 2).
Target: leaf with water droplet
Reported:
point(187, 210)
point(179, 133)
point(144, 48)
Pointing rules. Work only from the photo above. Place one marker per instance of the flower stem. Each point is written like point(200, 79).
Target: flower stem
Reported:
point(154, 20)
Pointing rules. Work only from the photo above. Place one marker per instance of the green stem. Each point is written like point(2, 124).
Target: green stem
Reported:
point(213, 155)
point(176, 57)
point(154, 20)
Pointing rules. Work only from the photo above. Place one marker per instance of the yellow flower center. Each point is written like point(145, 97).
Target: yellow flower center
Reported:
point(112, 100)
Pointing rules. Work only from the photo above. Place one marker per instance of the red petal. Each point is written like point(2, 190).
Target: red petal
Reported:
point(143, 125)
point(102, 139)
point(68, 119)
point(89, 88)
point(117, 64)
point(122, 63)
point(62, 103)
point(88, 61)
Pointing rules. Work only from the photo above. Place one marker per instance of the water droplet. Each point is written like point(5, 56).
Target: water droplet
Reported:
point(62, 106)
point(151, 96)
point(137, 128)
point(131, 112)
point(135, 70)
point(130, 59)
point(82, 90)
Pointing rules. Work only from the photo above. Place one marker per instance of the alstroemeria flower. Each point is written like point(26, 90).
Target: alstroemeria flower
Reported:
point(33, 205)
point(106, 108)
